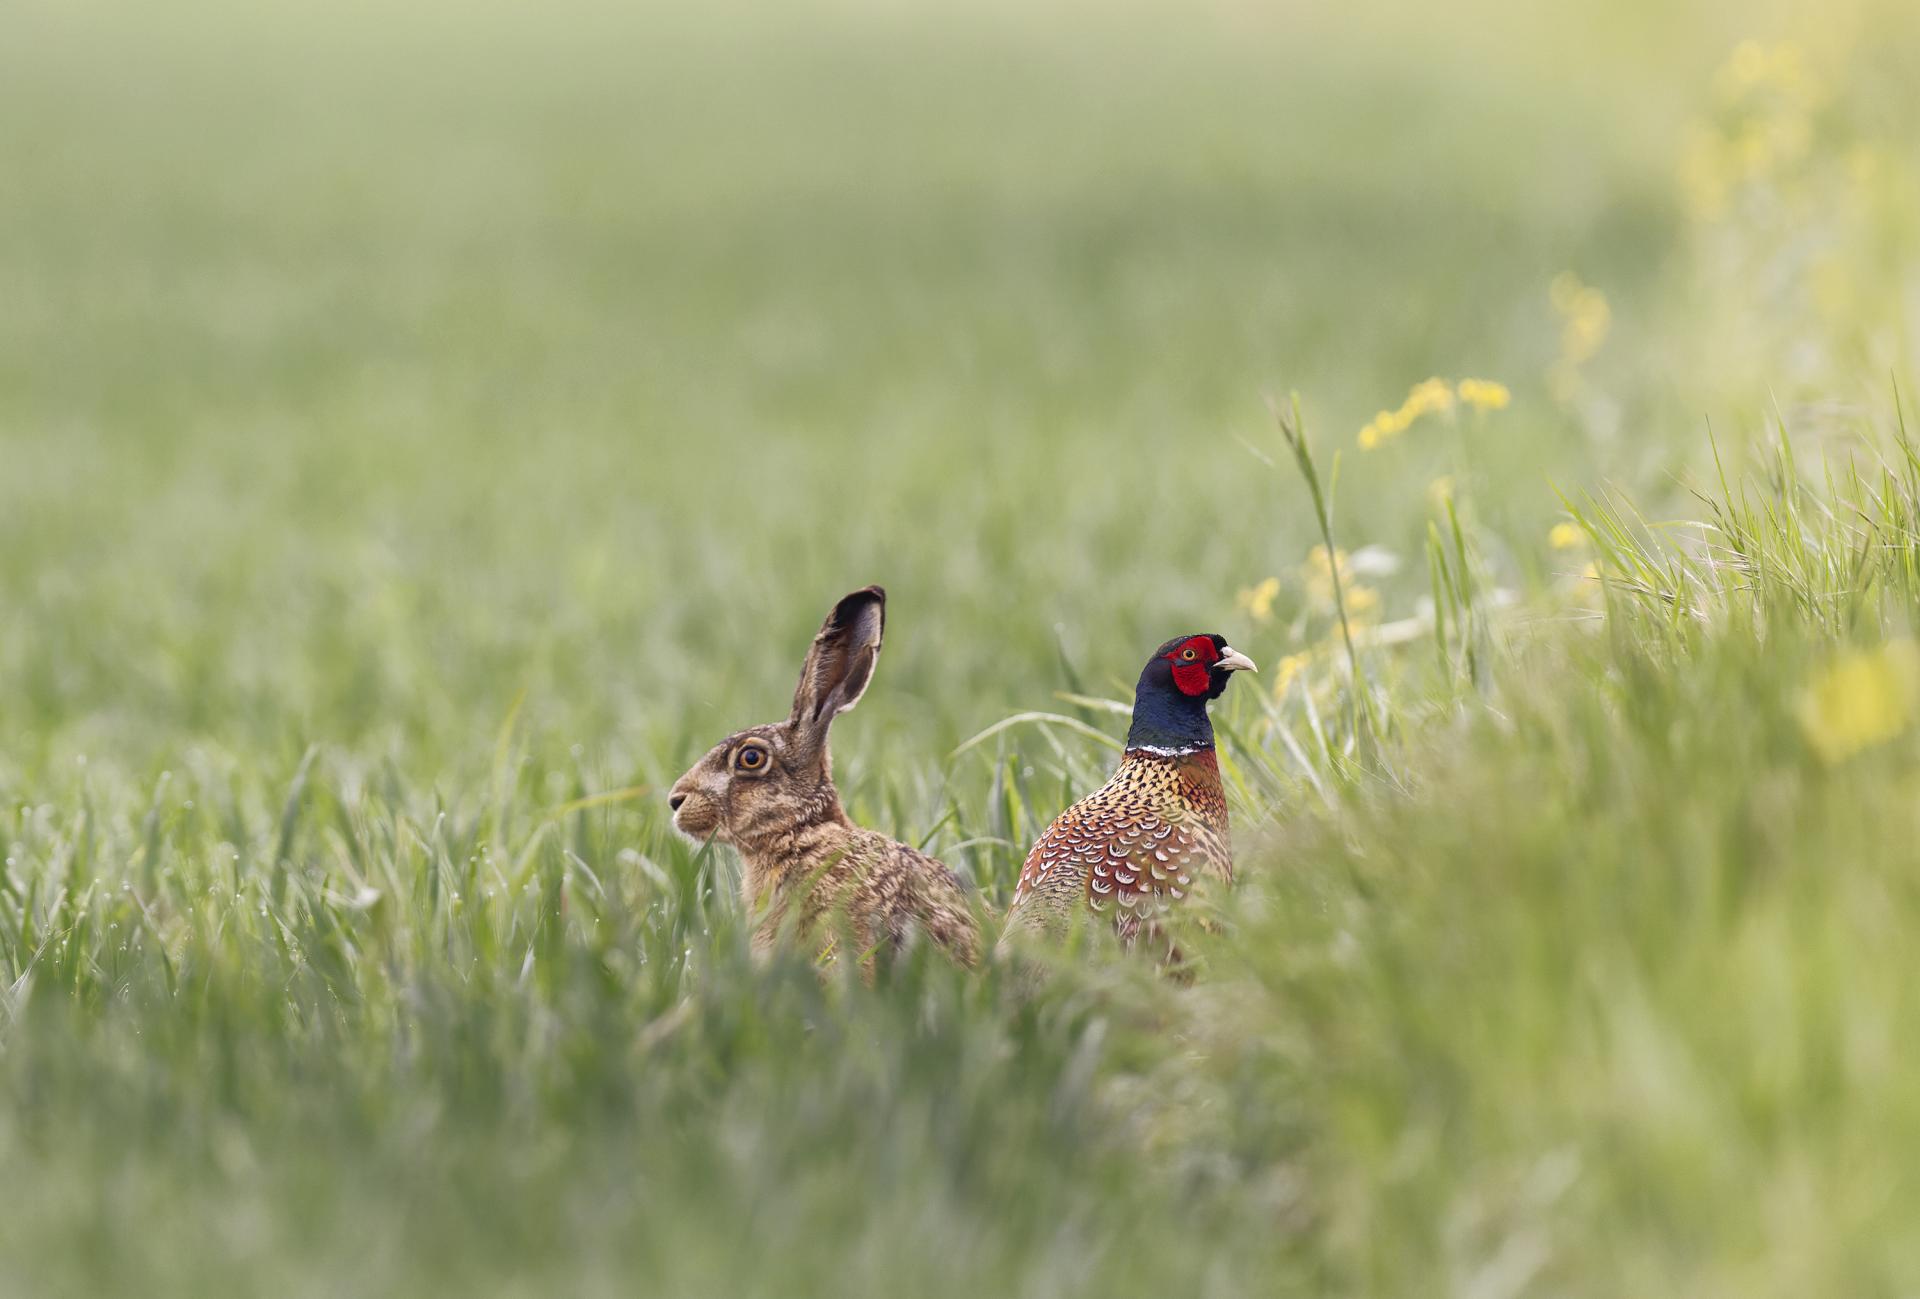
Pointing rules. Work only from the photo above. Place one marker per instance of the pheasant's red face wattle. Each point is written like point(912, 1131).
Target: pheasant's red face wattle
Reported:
point(1193, 662)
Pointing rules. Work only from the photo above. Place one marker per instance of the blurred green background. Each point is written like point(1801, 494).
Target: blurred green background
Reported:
point(362, 368)
point(415, 422)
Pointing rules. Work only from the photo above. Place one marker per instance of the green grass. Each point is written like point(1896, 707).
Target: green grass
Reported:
point(423, 436)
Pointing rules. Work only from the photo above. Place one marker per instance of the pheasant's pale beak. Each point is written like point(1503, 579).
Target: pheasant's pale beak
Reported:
point(1232, 660)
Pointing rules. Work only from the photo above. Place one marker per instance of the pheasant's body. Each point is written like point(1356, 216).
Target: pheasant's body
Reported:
point(1143, 840)
point(1158, 829)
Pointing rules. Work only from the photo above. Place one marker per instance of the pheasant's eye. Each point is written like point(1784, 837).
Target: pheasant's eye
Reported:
point(1188, 655)
point(750, 758)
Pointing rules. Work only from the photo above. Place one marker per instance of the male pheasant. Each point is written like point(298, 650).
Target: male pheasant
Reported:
point(1145, 838)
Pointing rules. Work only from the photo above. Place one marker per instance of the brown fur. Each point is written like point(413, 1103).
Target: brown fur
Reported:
point(809, 870)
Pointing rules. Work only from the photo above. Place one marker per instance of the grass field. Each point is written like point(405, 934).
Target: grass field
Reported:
point(422, 435)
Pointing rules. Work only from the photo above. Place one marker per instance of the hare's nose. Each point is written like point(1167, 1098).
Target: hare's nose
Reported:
point(674, 801)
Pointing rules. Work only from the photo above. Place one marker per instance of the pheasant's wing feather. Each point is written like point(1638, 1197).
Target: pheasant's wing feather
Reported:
point(1121, 851)
point(1151, 859)
point(1064, 848)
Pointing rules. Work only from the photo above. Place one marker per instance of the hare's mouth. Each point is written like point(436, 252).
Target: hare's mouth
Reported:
point(696, 819)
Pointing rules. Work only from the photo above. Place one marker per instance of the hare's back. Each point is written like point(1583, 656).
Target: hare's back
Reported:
point(906, 889)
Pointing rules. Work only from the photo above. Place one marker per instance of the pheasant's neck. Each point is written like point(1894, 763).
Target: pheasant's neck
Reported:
point(1169, 723)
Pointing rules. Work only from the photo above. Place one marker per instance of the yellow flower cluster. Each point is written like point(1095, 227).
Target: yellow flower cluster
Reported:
point(1425, 398)
point(1567, 536)
point(1764, 125)
point(1288, 672)
point(1862, 699)
point(1484, 394)
point(1755, 66)
point(1586, 318)
point(1801, 190)
point(1432, 397)
point(1317, 573)
point(1257, 600)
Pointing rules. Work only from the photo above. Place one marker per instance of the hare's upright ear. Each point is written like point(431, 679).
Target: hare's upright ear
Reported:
point(842, 660)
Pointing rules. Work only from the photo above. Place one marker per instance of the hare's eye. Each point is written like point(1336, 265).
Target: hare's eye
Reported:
point(750, 758)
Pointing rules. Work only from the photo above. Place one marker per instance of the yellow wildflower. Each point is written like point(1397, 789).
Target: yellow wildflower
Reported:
point(1362, 602)
point(1753, 66)
point(1743, 69)
point(1788, 72)
point(1585, 320)
point(1484, 394)
point(1387, 424)
point(1288, 672)
point(1257, 600)
point(1428, 397)
point(1585, 317)
point(1763, 130)
point(1566, 536)
point(1318, 574)
point(1864, 698)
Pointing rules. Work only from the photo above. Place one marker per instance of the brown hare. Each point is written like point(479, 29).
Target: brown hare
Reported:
point(768, 791)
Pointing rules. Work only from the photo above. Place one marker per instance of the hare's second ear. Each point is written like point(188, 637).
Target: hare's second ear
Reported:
point(842, 659)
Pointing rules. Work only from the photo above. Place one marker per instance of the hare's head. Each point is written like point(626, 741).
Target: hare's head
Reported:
point(766, 780)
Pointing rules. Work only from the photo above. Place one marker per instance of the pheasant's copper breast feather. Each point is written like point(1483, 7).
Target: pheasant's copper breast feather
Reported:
point(1140, 842)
